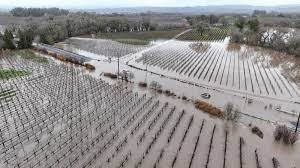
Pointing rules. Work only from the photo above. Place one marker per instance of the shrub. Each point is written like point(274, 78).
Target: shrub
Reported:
point(282, 132)
point(89, 66)
point(286, 136)
point(168, 92)
point(236, 36)
point(111, 75)
point(279, 45)
point(233, 47)
point(231, 113)
point(293, 137)
point(278, 132)
point(155, 85)
point(255, 130)
point(293, 46)
point(142, 84)
point(208, 108)
point(61, 58)
point(159, 91)
point(275, 163)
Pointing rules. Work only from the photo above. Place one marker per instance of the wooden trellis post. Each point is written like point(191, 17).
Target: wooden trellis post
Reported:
point(118, 66)
point(297, 123)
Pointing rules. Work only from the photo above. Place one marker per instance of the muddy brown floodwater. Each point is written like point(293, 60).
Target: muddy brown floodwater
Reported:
point(229, 74)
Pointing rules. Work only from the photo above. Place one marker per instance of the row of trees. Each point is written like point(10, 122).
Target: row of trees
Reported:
point(56, 29)
point(7, 40)
point(37, 12)
point(25, 38)
point(77, 24)
point(203, 23)
point(208, 19)
point(251, 32)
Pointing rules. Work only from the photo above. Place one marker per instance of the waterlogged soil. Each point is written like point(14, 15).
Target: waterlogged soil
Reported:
point(262, 107)
point(104, 47)
point(261, 112)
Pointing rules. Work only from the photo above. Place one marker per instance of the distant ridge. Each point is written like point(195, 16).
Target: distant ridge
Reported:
point(218, 9)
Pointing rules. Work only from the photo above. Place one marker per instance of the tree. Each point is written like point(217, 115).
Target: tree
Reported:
point(146, 24)
point(8, 40)
point(126, 75)
point(201, 27)
point(240, 23)
point(297, 24)
point(47, 39)
point(264, 35)
point(213, 19)
point(231, 113)
point(223, 21)
point(25, 39)
point(259, 12)
point(293, 46)
point(236, 36)
point(1, 41)
point(37, 12)
point(69, 24)
point(155, 85)
point(253, 25)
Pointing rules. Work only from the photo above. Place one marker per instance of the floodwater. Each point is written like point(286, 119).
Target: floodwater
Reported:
point(263, 106)
point(273, 77)
point(210, 149)
point(108, 48)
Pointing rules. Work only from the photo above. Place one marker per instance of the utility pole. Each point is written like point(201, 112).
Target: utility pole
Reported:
point(146, 68)
point(118, 65)
point(297, 123)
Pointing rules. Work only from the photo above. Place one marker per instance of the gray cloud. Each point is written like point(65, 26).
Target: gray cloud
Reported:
point(127, 3)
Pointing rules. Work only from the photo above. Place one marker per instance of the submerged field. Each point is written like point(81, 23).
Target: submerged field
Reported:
point(103, 47)
point(142, 35)
point(61, 115)
point(240, 68)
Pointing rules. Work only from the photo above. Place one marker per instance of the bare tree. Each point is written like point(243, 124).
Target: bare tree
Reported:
point(201, 27)
point(155, 85)
point(231, 113)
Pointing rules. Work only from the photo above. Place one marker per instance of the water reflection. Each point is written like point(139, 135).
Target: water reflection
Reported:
point(289, 65)
point(105, 47)
point(200, 47)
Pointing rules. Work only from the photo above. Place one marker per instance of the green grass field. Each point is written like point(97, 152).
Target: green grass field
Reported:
point(215, 33)
point(30, 55)
point(139, 38)
point(11, 73)
point(132, 41)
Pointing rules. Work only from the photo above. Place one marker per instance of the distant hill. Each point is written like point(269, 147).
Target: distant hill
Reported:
point(4, 10)
point(197, 9)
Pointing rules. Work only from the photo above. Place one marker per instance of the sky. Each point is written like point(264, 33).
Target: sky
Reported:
point(135, 3)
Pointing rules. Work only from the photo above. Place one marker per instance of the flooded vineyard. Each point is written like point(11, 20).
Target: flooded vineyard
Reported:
point(238, 68)
point(57, 114)
point(62, 117)
point(104, 47)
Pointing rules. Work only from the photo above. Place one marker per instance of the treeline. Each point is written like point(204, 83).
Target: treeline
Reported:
point(56, 29)
point(37, 12)
point(24, 40)
point(207, 19)
point(204, 23)
point(251, 32)
point(77, 24)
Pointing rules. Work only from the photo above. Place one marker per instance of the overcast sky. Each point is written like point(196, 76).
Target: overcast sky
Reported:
point(134, 3)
